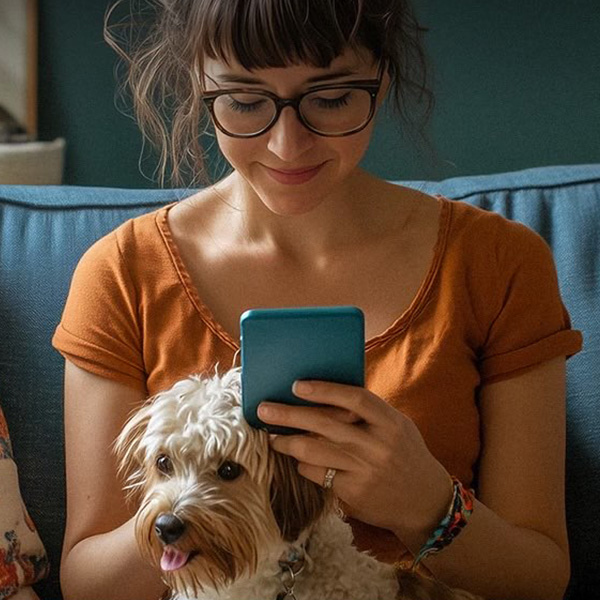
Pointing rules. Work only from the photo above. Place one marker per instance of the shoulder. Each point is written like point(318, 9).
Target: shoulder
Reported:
point(473, 219)
point(126, 244)
point(491, 262)
point(493, 238)
point(203, 212)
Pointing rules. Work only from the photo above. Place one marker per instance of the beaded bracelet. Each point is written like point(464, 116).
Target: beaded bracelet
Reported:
point(460, 509)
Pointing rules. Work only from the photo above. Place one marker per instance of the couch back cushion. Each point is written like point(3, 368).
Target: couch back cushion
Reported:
point(45, 230)
point(43, 233)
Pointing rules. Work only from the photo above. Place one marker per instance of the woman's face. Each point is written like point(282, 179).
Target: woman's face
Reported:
point(289, 167)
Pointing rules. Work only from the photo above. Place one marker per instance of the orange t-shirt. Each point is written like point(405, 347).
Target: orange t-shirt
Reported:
point(488, 309)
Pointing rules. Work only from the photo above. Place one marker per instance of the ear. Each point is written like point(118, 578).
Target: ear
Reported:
point(129, 451)
point(296, 501)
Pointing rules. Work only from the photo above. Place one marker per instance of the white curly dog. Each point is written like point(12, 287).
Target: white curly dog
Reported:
point(225, 517)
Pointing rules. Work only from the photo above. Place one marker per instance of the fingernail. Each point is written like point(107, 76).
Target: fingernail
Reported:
point(264, 411)
point(302, 387)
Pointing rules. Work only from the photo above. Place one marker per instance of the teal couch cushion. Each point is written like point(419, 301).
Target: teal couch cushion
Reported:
point(45, 230)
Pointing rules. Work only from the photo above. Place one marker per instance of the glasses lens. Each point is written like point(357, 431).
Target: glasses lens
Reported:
point(243, 113)
point(338, 110)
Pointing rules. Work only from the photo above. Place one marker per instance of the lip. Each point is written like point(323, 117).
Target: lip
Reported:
point(294, 176)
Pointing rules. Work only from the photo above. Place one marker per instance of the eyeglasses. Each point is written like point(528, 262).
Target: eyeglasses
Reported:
point(332, 110)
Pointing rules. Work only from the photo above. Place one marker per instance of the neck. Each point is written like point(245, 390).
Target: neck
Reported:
point(336, 222)
point(329, 560)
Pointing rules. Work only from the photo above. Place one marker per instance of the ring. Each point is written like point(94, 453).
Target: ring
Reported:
point(328, 481)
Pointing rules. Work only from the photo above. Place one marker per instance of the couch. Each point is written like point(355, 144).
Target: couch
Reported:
point(45, 229)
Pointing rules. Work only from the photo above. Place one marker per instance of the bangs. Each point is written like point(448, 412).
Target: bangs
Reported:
point(277, 33)
point(162, 45)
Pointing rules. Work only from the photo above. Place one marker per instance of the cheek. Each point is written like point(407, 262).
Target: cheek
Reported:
point(351, 149)
point(239, 152)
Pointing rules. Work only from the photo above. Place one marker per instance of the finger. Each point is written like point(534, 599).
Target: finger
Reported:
point(318, 475)
point(313, 420)
point(365, 405)
point(340, 414)
point(316, 452)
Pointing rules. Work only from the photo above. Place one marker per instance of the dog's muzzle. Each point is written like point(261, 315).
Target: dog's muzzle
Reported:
point(169, 528)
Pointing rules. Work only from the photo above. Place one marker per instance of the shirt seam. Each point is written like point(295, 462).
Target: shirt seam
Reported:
point(423, 295)
point(184, 278)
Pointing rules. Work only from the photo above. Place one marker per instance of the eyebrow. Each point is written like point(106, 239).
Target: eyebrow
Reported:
point(232, 78)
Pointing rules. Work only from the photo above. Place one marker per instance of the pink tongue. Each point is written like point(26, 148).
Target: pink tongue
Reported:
point(173, 559)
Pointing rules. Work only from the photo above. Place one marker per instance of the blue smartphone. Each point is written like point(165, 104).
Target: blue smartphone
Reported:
point(280, 346)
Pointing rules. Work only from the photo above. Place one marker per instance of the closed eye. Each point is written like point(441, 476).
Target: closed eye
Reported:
point(332, 101)
point(246, 103)
point(343, 100)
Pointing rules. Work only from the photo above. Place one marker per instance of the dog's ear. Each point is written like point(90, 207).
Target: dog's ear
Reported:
point(296, 501)
point(129, 452)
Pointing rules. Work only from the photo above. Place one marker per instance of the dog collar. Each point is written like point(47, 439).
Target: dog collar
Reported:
point(292, 563)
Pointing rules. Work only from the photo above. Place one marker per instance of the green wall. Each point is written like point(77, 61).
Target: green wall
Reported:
point(517, 85)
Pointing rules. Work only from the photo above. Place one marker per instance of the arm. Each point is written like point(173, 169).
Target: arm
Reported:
point(100, 557)
point(515, 543)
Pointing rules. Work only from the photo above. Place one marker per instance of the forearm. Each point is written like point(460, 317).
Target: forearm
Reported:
point(109, 566)
point(496, 559)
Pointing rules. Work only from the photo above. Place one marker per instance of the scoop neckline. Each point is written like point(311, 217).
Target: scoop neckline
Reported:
point(396, 327)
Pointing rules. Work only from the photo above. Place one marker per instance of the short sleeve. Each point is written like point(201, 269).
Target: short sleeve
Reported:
point(531, 324)
point(99, 330)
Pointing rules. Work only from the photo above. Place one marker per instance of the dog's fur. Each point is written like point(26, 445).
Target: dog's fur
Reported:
point(238, 529)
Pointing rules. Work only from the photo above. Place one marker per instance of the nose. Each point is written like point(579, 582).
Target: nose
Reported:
point(169, 527)
point(288, 138)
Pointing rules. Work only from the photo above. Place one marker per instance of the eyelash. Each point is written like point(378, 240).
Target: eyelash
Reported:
point(242, 107)
point(334, 102)
point(322, 102)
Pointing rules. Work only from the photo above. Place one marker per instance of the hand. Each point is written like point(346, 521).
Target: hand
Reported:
point(386, 476)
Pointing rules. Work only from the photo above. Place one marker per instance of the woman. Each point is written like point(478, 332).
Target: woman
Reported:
point(467, 335)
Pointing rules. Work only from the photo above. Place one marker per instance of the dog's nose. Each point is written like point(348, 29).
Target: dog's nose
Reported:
point(169, 527)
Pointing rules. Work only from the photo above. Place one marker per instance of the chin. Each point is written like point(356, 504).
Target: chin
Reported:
point(285, 199)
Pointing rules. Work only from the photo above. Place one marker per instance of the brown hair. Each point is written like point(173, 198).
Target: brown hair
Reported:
point(163, 43)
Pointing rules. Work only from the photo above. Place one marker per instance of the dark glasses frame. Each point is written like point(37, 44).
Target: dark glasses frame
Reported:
point(370, 85)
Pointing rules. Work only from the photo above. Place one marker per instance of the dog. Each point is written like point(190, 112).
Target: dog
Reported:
point(225, 517)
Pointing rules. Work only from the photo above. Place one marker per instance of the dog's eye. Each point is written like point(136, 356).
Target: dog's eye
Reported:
point(164, 464)
point(229, 470)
